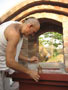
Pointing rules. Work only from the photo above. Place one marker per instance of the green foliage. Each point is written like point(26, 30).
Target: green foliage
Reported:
point(55, 53)
point(53, 37)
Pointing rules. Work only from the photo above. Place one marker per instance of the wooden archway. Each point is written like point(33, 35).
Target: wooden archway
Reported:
point(21, 11)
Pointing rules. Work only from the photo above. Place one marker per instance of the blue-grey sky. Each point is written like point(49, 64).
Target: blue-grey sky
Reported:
point(6, 5)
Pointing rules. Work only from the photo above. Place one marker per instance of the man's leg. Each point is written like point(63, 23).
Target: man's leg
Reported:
point(6, 82)
point(1, 81)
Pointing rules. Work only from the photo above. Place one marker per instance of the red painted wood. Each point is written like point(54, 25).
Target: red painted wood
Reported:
point(27, 86)
point(47, 81)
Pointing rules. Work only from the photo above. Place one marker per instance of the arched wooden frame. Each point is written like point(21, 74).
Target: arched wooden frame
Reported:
point(36, 3)
point(54, 26)
point(47, 25)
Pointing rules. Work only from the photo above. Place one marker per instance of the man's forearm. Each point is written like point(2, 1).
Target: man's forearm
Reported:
point(23, 58)
point(18, 67)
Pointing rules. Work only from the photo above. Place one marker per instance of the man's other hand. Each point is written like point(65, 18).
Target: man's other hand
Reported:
point(33, 59)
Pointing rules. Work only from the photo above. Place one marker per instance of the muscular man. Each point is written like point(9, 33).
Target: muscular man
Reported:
point(11, 36)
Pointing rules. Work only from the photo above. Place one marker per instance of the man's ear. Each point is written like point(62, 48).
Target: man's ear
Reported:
point(30, 25)
point(23, 21)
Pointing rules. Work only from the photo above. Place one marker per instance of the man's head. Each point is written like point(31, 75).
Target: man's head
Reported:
point(30, 26)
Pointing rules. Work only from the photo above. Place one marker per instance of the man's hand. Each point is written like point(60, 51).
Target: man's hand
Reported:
point(33, 74)
point(33, 59)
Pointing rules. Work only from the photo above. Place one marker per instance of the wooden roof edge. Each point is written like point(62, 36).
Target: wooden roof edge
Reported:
point(15, 8)
point(19, 6)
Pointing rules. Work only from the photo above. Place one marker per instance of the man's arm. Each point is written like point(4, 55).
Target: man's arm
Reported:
point(23, 58)
point(26, 59)
point(10, 57)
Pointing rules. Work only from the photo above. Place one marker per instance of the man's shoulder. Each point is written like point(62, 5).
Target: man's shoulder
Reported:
point(14, 25)
point(11, 32)
point(14, 36)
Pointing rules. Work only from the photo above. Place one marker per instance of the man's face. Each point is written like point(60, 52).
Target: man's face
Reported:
point(30, 29)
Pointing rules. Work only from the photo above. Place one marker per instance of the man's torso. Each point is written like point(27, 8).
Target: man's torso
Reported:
point(5, 29)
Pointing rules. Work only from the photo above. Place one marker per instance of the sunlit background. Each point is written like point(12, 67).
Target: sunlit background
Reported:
point(6, 5)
